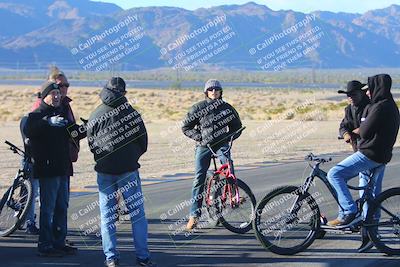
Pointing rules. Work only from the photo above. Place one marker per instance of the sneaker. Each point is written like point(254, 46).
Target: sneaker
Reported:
point(366, 245)
point(68, 242)
point(50, 253)
point(334, 222)
point(366, 242)
point(68, 250)
point(31, 229)
point(146, 262)
point(111, 263)
point(347, 219)
point(192, 223)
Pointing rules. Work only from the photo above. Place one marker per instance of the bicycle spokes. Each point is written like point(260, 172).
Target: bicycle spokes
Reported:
point(384, 223)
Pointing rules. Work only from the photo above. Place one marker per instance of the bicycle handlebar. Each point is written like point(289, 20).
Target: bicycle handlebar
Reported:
point(230, 142)
point(312, 157)
point(14, 148)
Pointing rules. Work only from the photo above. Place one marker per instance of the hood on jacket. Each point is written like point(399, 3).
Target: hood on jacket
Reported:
point(112, 98)
point(379, 87)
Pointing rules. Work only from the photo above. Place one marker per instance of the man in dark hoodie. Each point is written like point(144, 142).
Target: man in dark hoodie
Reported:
point(353, 112)
point(118, 138)
point(378, 132)
point(210, 121)
point(47, 129)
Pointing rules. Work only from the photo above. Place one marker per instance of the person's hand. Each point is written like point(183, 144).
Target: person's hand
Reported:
point(356, 131)
point(57, 121)
point(347, 137)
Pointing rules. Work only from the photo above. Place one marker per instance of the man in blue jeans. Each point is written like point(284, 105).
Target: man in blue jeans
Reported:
point(47, 129)
point(378, 131)
point(209, 122)
point(118, 138)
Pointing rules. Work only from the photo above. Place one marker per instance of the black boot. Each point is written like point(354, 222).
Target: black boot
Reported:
point(366, 242)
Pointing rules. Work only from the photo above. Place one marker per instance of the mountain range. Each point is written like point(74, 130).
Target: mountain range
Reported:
point(78, 34)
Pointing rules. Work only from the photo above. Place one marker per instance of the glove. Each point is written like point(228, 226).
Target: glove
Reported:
point(347, 137)
point(57, 121)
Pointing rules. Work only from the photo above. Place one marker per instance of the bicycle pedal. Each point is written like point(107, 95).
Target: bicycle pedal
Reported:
point(335, 230)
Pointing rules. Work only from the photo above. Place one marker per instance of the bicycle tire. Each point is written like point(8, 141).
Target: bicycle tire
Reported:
point(388, 229)
point(211, 196)
point(289, 221)
point(239, 222)
point(19, 213)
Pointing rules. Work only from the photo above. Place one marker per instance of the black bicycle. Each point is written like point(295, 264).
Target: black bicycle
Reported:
point(288, 219)
point(16, 201)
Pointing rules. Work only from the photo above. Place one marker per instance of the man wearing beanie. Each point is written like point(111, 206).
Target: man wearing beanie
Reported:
point(118, 138)
point(208, 122)
point(58, 77)
point(46, 128)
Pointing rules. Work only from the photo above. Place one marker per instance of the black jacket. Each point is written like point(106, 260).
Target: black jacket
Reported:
point(381, 120)
point(49, 145)
point(211, 122)
point(116, 134)
point(352, 120)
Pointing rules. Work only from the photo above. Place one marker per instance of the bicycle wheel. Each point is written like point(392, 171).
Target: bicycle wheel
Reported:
point(236, 218)
point(13, 213)
point(286, 221)
point(385, 231)
point(212, 184)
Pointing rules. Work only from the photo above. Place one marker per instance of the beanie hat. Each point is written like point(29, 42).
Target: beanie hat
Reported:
point(116, 84)
point(212, 83)
point(47, 87)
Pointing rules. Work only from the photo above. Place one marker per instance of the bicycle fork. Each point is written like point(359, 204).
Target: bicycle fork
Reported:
point(299, 195)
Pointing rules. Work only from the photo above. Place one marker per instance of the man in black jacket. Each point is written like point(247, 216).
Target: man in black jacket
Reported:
point(378, 131)
point(353, 112)
point(118, 138)
point(47, 129)
point(210, 121)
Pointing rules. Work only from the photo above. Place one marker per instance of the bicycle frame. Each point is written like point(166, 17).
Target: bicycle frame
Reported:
point(322, 175)
point(226, 171)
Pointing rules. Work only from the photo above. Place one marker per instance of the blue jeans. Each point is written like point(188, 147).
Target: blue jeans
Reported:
point(202, 161)
point(30, 217)
point(53, 212)
point(356, 164)
point(130, 186)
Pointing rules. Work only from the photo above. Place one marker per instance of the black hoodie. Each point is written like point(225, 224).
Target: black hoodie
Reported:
point(352, 120)
point(116, 134)
point(380, 123)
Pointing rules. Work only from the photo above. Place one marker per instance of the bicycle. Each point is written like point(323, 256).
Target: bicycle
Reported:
point(16, 201)
point(228, 199)
point(298, 224)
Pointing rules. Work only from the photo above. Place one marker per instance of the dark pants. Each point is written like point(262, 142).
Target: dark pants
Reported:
point(202, 161)
point(53, 212)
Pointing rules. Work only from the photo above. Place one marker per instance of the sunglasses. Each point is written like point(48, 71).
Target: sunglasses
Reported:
point(66, 85)
point(214, 88)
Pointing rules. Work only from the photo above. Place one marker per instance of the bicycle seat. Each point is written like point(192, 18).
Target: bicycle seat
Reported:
point(312, 157)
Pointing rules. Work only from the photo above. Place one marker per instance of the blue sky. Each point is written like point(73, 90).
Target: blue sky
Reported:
point(353, 6)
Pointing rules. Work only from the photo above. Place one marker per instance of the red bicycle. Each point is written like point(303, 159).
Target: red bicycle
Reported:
point(228, 199)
